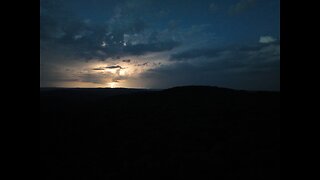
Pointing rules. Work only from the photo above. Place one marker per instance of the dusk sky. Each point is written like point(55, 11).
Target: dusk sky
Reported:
point(160, 43)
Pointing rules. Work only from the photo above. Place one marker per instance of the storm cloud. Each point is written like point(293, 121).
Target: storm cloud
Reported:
point(157, 44)
point(83, 39)
point(230, 66)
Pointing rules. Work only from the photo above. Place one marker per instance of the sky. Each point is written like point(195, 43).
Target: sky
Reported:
point(160, 44)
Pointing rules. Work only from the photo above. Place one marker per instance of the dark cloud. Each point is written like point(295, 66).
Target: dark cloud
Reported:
point(114, 67)
point(98, 69)
point(126, 60)
point(244, 67)
point(77, 38)
point(194, 53)
point(187, 74)
point(189, 42)
point(141, 49)
point(143, 64)
point(231, 52)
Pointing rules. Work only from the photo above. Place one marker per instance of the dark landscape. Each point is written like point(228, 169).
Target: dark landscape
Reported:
point(192, 132)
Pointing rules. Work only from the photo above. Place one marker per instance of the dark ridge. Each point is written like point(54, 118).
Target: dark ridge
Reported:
point(200, 88)
point(194, 131)
point(86, 93)
point(212, 89)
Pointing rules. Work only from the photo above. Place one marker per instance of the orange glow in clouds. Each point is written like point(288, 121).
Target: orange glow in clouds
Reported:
point(120, 73)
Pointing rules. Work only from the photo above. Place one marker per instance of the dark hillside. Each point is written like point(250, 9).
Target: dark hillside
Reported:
point(185, 132)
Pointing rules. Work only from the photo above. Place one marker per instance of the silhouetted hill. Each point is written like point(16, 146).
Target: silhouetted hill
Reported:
point(193, 132)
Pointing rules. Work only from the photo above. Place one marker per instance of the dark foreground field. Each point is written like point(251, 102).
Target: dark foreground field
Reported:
point(180, 133)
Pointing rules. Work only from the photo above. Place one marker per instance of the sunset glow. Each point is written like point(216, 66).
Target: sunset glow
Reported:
point(138, 43)
point(112, 84)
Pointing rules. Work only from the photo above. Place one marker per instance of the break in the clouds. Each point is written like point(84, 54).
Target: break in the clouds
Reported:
point(159, 44)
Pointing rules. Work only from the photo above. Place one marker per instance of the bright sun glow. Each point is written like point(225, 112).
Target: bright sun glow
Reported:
point(124, 72)
point(112, 85)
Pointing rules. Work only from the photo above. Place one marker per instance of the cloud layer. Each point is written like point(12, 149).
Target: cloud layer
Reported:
point(267, 39)
point(157, 44)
